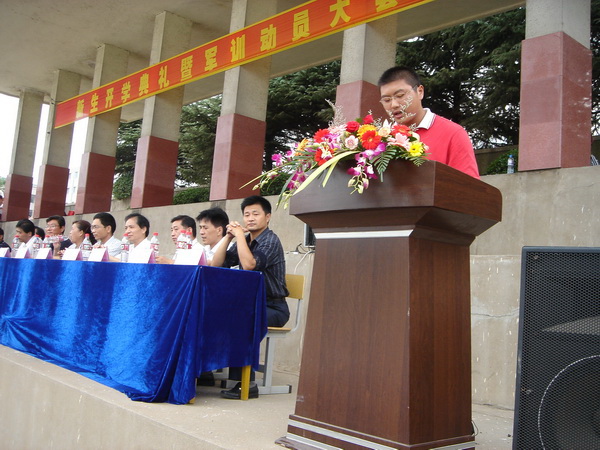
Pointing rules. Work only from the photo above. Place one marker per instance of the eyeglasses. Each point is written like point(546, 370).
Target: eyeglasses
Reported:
point(398, 96)
point(95, 227)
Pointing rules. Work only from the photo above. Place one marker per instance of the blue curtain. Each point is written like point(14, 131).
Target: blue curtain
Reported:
point(147, 330)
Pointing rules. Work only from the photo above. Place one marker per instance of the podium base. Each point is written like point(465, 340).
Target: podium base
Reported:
point(307, 434)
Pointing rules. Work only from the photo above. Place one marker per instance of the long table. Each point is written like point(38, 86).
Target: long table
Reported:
point(144, 329)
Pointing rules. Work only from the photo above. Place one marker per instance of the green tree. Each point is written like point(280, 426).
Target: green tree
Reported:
point(127, 139)
point(297, 106)
point(197, 141)
point(471, 74)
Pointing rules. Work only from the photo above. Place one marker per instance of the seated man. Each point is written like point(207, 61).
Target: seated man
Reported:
point(25, 230)
point(213, 227)
point(55, 230)
point(3, 243)
point(137, 229)
point(260, 250)
point(180, 225)
point(103, 229)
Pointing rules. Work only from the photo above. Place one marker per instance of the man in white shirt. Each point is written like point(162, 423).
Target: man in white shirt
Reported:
point(103, 229)
point(25, 230)
point(212, 224)
point(137, 229)
point(180, 225)
point(55, 230)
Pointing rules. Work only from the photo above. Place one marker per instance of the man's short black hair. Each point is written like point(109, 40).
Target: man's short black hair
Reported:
point(107, 220)
point(1, 232)
point(141, 221)
point(187, 222)
point(216, 216)
point(400, 73)
point(59, 219)
point(257, 200)
point(26, 225)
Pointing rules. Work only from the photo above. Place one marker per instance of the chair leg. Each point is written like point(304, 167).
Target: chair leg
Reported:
point(265, 386)
point(245, 383)
point(270, 345)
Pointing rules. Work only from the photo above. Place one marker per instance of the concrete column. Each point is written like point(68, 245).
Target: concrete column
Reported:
point(158, 146)
point(54, 172)
point(94, 191)
point(240, 140)
point(19, 183)
point(556, 77)
point(367, 51)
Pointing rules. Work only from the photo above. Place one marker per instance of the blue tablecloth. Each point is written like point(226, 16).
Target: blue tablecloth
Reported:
point(147, 330)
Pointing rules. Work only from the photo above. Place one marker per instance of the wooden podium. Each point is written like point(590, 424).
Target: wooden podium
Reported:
point(387, 348)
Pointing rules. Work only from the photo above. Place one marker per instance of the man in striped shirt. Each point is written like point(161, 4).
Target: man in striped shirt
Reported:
point(260, 250)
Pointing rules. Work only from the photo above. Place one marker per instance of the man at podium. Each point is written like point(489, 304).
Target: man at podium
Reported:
point(401, 95)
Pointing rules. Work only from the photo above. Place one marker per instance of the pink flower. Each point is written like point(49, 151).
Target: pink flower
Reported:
point(360, 159)
point(370, 172)
point(380, 149)
point(368, 119)
point(277, 158)
point(355, 171)
point(402, 141)
point(351, 142)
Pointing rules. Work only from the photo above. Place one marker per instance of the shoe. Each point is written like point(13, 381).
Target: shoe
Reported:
point(235, 393)
point(206, 379)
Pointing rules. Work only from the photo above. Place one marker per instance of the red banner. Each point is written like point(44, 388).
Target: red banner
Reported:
point(307, 22)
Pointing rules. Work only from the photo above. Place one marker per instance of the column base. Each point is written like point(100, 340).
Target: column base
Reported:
point(556, 64)
point(358, 99)
point(155, 169)
point(239, 149)
point(51, 191)
point(94, 192)
point(17, 197)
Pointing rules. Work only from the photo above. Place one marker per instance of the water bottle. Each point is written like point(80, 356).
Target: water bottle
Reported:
point(46, 243)
point(511, 164)
point(154, 244)
point(189, 239)
point(16, 244)
point(125, 248)
point(86, 247)
point(35, 247)
point(180, 245)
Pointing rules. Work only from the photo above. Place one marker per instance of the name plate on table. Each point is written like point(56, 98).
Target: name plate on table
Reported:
point(145, 256)
point(4, 252)
point(23, 252)
point(99, 254)
point(192, 257)
point(72, 254)
point(45, 253)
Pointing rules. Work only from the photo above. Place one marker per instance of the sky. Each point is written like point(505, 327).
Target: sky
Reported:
point(8, 117)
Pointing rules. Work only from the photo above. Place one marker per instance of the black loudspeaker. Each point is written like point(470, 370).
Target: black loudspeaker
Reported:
point(557, 404)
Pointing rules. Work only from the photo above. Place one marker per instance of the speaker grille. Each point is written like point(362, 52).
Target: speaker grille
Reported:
point(558, 372)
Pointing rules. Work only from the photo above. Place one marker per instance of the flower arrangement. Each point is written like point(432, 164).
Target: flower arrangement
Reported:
point(371, 143)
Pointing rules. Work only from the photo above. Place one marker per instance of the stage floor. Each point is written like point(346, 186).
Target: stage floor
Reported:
point(45, 406)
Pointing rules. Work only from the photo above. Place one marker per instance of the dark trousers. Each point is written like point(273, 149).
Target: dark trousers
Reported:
point(278, 314)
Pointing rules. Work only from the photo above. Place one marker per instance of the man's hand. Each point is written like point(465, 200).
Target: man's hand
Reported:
point(236, 230)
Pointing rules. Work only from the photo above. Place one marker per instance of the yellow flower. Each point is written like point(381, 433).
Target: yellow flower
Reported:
point(364, 128)
point(301, 147)
point(416, 148)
